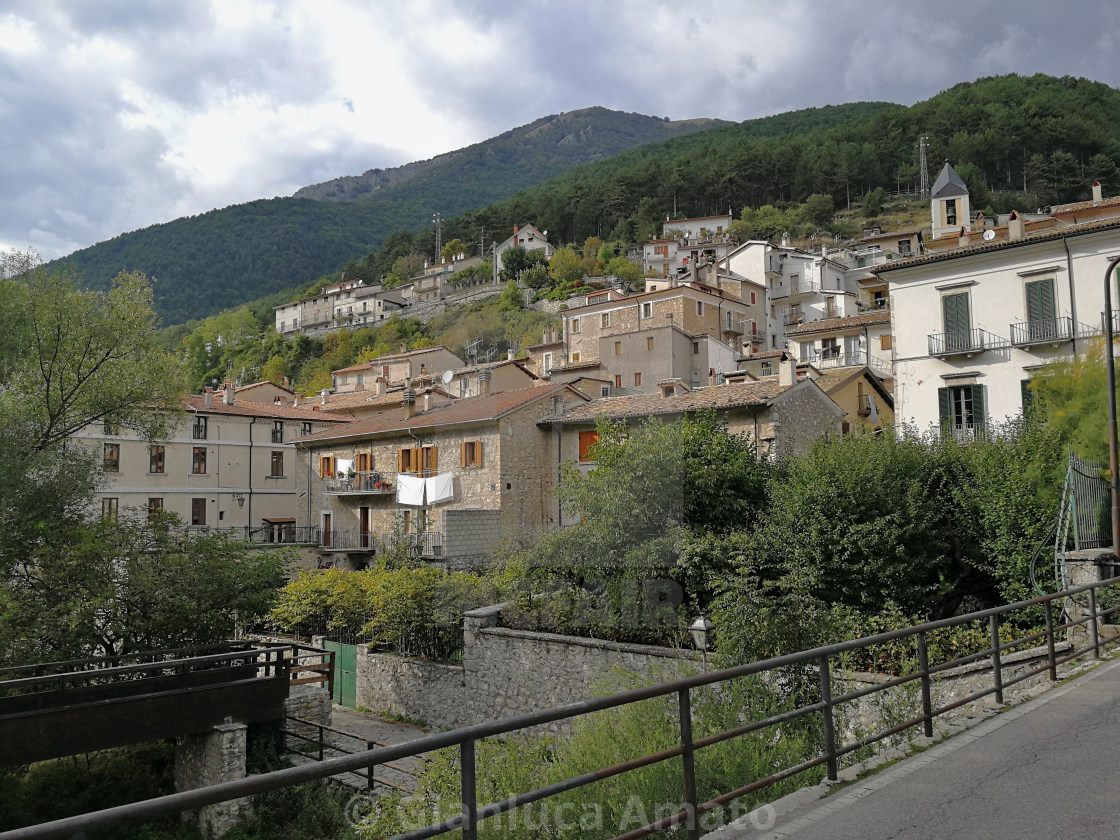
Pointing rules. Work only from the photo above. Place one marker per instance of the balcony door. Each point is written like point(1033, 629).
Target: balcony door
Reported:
point(1041, 310)
point(954, 310)
point(363, 519)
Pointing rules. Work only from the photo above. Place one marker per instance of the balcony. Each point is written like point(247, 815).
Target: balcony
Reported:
point(756, 337)
point(278, 533)
point(804, 286)
point(789, 319)
point(348, 541)
point(1043, 331)
point(829, 360)
point(425, 545)
point(965, 343)
point(364, 483)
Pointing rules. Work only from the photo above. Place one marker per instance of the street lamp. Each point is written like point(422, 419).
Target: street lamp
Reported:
point(699, 630)
point(237, 497)
point(1113, 446)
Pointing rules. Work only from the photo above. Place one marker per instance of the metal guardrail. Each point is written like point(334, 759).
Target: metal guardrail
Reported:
point(280, 533)
point(965, 341)
point(365, 482)
point(821, 659)
point(324, 748)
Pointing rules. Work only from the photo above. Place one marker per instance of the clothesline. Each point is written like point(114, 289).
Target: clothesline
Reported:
point(412, 489)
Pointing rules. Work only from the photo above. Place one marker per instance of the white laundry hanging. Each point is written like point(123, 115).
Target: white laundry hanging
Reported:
point(410, 490)
point(441, 488)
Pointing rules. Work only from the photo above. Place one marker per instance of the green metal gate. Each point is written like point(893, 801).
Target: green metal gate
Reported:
point(345, 672)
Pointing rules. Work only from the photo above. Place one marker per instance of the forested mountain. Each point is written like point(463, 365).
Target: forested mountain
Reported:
point(497, 168)
point(207, 263)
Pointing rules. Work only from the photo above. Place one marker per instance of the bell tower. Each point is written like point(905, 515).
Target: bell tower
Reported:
point(949, 207)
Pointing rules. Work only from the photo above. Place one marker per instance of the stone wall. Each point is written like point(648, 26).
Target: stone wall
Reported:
point(207, 758)
point(469, 535)
point(429, 692)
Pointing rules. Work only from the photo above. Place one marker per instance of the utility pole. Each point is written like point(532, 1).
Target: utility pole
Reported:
point(437, 220)
point(923, 168)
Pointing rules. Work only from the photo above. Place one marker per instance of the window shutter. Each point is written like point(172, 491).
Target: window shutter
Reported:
point(478, 453)
point(1028, 397)
point(1040, 300)
point(979, 411)
point(400, 460)
point(463, 454)
point(434, 466)
point(955, 311)
point(943, 410)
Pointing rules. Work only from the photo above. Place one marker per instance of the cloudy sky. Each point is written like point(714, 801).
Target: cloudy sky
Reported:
point(118, 114)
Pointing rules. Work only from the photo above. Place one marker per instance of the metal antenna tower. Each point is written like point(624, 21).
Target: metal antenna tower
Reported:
point(472, 349)
point(923, 169)
point(437, 220)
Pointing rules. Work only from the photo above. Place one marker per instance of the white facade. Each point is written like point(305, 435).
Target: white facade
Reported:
point(970, 326)
point(528, 238)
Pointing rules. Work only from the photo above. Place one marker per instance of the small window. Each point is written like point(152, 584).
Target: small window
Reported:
point(575, 325)
point(155, 507)
point(546, 362)
point(699, 307)
point(305, 429)
point(587, 443)
point(575, 357)
point(198, 461)
point(198, 430)
point(198, 511)
point(112, 456)
point(618, 380)
point(649, 342)
point(752, 298)
point(277, 470)
point(471, 451)
point(605, 319)
point(277, 431)
point(326, 466)
point(637, 379)
point(885, 342)
point(111, 428)
point(109, 508)
point(695, 347)
point(618, 348)
point(156, 459)
point(605, 391)
point(647, 308)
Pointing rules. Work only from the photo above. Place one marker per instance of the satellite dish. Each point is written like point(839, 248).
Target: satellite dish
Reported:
point(989, 235)
point(448, 375)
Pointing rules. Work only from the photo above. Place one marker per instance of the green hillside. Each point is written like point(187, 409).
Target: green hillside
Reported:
point(207, 263)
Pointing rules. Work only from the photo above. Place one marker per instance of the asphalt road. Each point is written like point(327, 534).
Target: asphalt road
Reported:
point(1049, 768)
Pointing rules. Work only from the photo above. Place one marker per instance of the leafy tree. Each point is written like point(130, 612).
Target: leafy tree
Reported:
point(274, 371)
point(626, 271)
point(1104, 169)
point(514, 261)
point(510, 299)
point(1072, 396)
point(453, 249)
point(566, 266)
point(872, 203)
point(405, 267)
point(819, 209)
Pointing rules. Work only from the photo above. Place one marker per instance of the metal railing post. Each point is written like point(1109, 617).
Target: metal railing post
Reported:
point(469, 794)
point(688, 760)
point(927, 698)
point(828, 728)
point(1050, 655)
point(1093, 626)
point(997, 659)
point(320, 726)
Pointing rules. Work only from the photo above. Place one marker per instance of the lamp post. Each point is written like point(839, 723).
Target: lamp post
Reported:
point(1113, 446)
point(699, 630)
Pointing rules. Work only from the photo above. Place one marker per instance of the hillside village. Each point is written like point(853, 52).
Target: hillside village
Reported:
point(939, 327)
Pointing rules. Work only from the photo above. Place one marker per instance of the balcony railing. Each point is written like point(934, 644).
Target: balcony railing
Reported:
point(276, 533)
point(1043, 331)
point(348, 541)
point(428, 544)
point(855, 358)
point(965, 342)
point(365, 482)
point(804, 286)
point(791, 318)
point(424, 544)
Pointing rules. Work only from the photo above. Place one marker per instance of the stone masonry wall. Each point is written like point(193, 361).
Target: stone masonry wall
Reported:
point(207, 758)
point(469, 535)
point(431, 692)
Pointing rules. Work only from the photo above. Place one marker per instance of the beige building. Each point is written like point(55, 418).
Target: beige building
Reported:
point(492, 471)
point(862, 340)
point(227, 464)
point(395, 367)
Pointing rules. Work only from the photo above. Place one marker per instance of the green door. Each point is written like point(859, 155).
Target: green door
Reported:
point(345, 673)
point(1041, 310)
point(954, 309)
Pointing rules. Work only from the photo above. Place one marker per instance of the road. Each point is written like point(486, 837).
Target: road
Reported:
point(1049, 768)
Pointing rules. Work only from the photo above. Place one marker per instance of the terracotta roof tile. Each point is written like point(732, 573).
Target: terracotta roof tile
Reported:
point(469, 410)
point(1078, 206)
point(196, 403)
point(648, 405)
point(253, 385)
point(865, 319)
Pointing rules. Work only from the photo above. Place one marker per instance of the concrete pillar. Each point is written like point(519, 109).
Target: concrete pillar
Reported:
point(208, 758)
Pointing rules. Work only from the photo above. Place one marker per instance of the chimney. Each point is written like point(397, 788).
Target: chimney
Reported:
point(965, 240)
point(1097, 191)
point(785, 239)
point(287, 382)
point(296, 401)
point(1015, 226)
point(409, 402)
point(544, 337)
point(382, 386)
point(208, 397)
point(515, 232)
point(509, 355)
point(227, 393)
point(484, 383)
point(427, 399)
point(555, 334)
point(787, 372)
point(557, 405)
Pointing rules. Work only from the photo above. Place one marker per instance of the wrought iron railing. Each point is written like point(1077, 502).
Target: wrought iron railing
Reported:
point(367, 482)
point(965, 342)
point(279, 532)
point(1042, 331)
point(819, 661)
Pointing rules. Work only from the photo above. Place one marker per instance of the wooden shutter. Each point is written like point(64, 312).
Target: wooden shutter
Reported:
point(433, 463)
point(1040, 300)
point(463, 454)
point(944, 411)
point(954, 308)
point(478, 453)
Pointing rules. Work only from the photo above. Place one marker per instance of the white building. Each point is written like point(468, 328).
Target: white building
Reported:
point(971, 325)
point(527, 238)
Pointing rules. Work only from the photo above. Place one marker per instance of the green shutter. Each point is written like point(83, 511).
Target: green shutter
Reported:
point(979, 411)
point(1028, 397)
point(1040, 300)
point(955, 311)
point(943, 405)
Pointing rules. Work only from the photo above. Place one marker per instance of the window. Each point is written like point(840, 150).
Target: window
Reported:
point(695, 347)
point(277, 465)
point(605, 391)
point(637, 379)
point(647, 308)
point(954, 311)
point(794, 283)
point(649, 342)
point(1042, 322)
point(830, 348)
point(605, 319)
point(575, 357)
point(156, 459)
point(198, 461)
point(904, 247)
point(420, 460)
point(618, 348)
point(767, 369)
point(699, 307)
point(885, 342)
point(961, 407)
point(277, 431)
point(618, 380)
point(326, 466)
point(587, 443)
point(752, 299)
point(111, 428)
point(198, 511)
point(155, 508)
point(547, 362)
point(830, 307)
point(951, 211)
point(305, 429)
point(575, 325)
point(1027, 394)
point(471, 452)
point(112, 456)
point(198, 430)
point(109, 509)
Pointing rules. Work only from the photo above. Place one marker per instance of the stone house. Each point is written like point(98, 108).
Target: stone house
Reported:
point(861, 340)
point(695, 241)
point(495, 465)
point(395, 367)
